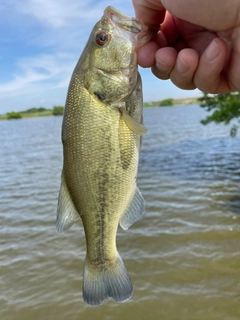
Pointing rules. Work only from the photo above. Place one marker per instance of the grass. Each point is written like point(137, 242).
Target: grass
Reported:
point(37, 114)
point(33, 113)
point(176, 102)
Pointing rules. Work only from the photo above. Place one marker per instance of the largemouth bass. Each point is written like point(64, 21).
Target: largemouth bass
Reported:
point(101, 135)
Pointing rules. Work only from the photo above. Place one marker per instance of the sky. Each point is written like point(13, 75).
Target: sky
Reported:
point(40, 44)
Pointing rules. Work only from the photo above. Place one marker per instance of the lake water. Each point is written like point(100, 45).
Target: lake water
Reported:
point(183, 256)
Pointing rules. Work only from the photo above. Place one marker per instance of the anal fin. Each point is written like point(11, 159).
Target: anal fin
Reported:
point(134, 210)
point(67, 214)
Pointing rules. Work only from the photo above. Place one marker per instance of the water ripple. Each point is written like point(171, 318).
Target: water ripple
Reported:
point(182, 255)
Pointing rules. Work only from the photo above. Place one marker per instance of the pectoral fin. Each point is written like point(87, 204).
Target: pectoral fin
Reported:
point(132, 124)
point(134, 210)
point(67, 214)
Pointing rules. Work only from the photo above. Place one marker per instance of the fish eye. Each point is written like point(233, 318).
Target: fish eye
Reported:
point(102, 38)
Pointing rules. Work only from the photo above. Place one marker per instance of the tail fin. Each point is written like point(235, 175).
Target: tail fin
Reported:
point(108, 281)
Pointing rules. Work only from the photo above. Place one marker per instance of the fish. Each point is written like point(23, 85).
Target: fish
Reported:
point(101, 134)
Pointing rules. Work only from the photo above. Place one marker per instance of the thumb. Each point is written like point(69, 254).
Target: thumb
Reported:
point(149, 11)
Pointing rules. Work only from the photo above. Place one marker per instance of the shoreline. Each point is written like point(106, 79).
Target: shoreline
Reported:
point(33, 113)
point(174, 102)
point(152, 104)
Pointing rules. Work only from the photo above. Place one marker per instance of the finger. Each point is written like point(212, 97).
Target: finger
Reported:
point(202, 13)
point(183, 72)
point(209, 76)
point(232, 68)
point(170, 30)
point(149, 11)
point(180, 45)
point(146, 54)
point(164, 62)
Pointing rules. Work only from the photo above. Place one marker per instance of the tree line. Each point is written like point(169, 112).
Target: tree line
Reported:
point(223, 108)
point(56, 111)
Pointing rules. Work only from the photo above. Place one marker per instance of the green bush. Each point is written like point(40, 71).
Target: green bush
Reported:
point(58, 110)
point(41, 109)
point(32, 110)
point(35, 110)
point(14, 115)
point(167, 102)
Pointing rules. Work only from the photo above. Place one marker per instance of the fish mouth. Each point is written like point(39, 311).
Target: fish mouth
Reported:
point(122, 20)
point(140, 32)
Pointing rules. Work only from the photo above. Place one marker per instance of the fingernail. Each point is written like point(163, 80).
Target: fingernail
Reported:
point(212, 50)
point(181, 66)
point(162, 66)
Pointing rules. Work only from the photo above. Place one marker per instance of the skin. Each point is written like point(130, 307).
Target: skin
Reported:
point(199, 43)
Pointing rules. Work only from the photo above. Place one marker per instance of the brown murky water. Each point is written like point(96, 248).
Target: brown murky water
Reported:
point(183, 256)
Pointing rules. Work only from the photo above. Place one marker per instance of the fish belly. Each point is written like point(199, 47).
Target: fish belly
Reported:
point(100, 167)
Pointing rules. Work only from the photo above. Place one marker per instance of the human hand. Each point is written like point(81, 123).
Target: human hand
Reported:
point(198, 45)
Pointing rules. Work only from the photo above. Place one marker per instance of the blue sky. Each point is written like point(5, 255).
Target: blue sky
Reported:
point(40, 43)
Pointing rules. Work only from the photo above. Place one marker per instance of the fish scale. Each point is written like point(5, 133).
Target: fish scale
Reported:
point(101, 137)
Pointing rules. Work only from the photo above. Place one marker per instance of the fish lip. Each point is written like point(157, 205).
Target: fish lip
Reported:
point(140, 32)
point(123, 21)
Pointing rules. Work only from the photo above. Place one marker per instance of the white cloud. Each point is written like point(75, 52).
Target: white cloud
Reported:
point(36, 73)
point(44, 39)
point(53, 13)
point(61, 36)
point(62, 13)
